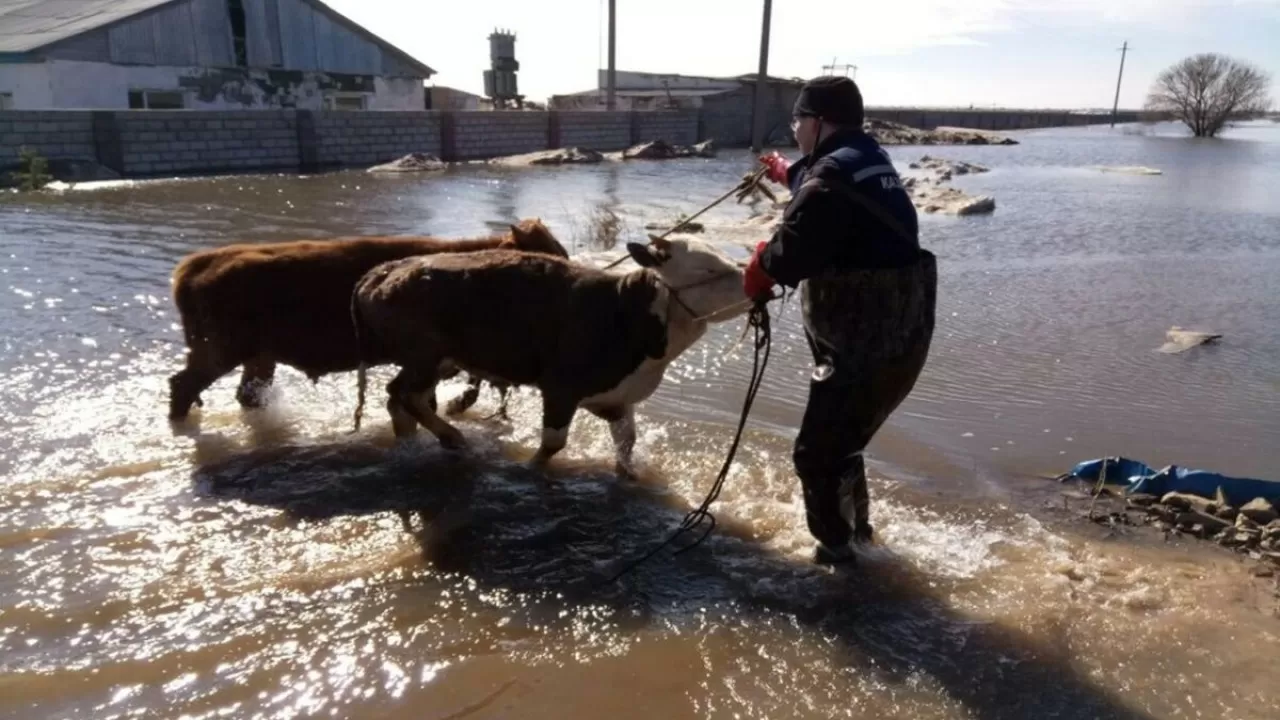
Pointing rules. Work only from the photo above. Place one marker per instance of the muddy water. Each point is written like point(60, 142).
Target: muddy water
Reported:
point(252, 565)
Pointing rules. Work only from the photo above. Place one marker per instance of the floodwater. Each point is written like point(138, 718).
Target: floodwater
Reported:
point(251, 565)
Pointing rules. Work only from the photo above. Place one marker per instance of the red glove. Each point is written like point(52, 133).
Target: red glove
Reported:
point(777, 167)
point(756, 282)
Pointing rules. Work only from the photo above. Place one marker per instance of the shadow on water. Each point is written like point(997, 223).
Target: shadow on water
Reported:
point(504, 526)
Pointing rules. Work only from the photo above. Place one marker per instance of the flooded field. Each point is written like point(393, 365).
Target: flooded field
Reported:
point(251, 564)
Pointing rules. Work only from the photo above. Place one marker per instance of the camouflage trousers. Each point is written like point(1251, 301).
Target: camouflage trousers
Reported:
point(869, 331)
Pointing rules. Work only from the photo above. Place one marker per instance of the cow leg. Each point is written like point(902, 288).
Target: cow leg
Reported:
point(622, 427)
point(557, 414)
point(186, 385)
point(403, 424)
point(255, 380)
point(504, 394)
point(463, 402)
point(413, 393)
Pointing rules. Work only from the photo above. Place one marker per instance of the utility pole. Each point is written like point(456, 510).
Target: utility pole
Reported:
point(1116, 106)
point(612, 102)
point(757, 114)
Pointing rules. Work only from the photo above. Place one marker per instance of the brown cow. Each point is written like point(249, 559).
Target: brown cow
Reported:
point(257, 305)
point(582, 336)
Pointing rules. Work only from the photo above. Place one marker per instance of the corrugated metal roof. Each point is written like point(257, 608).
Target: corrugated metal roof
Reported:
point(26, 25)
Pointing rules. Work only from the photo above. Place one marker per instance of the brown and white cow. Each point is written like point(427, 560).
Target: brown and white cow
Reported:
point(584, 337)
point(259, 305)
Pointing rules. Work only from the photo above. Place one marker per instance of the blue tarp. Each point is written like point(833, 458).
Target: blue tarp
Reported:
point(1138, 477)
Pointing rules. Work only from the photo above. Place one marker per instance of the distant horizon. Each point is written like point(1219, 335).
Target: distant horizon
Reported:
point(920, 106)
point(1006, 54)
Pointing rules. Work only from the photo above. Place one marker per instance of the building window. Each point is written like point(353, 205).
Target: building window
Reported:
point(235, 9)
point(6, 101)
point(156, 100)
point(344, 101)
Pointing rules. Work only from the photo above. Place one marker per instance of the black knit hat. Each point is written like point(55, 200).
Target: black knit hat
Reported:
point(834, 98)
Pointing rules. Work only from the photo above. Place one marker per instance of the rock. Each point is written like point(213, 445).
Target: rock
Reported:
point(1262, 571)
point(413, 162)
point(559, 156)
point(1207, 522)
point(1245, 522)
point(1186, 501)
point(1260, 511)
point(1228, 513)
point(1142, 500)
point(1178, 340)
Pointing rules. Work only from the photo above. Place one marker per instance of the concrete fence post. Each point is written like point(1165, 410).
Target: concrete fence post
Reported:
point(308, 140)
point(448, 136)
point(553, 129)
point(108, 145)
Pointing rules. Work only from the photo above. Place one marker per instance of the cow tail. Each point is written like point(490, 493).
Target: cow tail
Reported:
point(362, 372)
point(185, 299)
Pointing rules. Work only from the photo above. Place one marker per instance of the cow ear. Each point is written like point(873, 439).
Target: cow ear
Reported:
point(643, 255)
point(517, 231)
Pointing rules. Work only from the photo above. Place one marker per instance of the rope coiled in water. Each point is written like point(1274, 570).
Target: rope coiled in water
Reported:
point(758, 320)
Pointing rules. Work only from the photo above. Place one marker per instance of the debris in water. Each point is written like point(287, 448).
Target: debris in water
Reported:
point(1129, 170)
point(1179, 340)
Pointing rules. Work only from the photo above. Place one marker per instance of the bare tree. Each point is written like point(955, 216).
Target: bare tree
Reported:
point(1206, 90)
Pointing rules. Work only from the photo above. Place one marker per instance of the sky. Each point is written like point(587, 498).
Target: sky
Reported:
point(1007, 53)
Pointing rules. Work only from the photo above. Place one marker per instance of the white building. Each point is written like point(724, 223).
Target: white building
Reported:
point(198, 54)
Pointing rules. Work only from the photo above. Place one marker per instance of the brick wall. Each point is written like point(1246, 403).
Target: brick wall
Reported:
point(679, 127)
point(595, 130)
point(485, 134)
point(368, 138)
point(159, 142)
point(141, 142)
point(728, 117)
point(55, 134)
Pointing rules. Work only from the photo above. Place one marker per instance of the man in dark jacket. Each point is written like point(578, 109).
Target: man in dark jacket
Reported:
point(849, 240)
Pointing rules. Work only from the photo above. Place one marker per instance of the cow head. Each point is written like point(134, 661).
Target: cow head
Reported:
point(703, 278)
point(530, 235)
point(645, 298)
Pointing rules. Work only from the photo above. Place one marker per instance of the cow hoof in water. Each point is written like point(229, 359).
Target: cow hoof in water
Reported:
point(453, 441)
point(626, 472)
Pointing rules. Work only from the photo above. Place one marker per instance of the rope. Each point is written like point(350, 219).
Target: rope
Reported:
point(749, 184)
point(759, 321)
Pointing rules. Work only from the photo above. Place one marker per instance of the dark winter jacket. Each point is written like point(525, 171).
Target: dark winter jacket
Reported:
point(826, 228)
